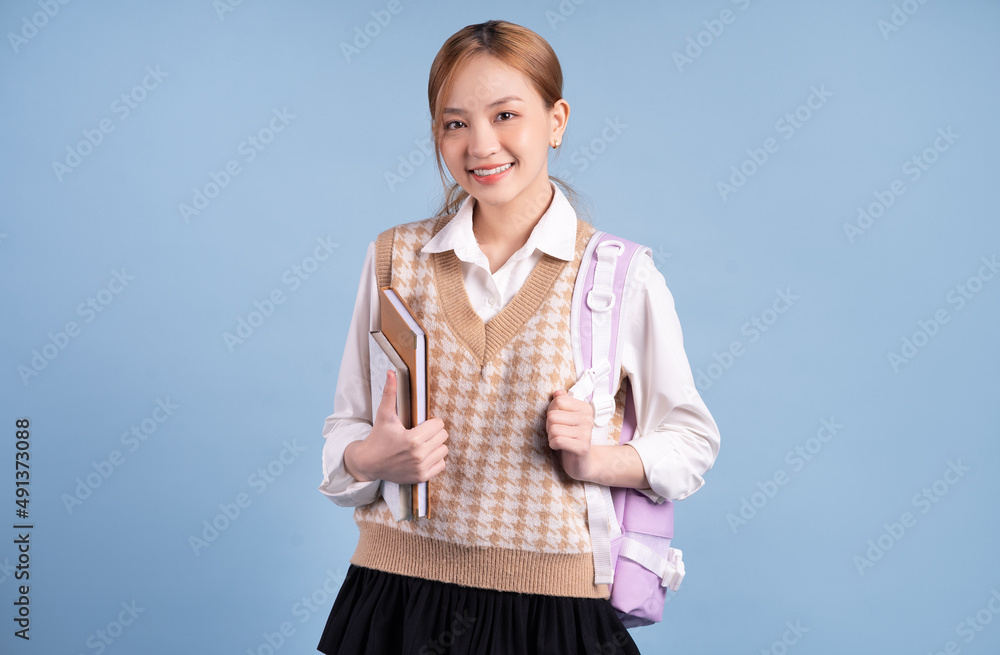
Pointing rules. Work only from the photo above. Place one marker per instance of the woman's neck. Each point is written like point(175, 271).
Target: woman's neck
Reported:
point(507, 228)
point(500, 232)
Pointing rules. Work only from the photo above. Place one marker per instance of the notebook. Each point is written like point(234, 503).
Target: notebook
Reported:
point(382, 358)
point(408, 338)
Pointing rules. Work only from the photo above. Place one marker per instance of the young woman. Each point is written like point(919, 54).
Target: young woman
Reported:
point(504, 564)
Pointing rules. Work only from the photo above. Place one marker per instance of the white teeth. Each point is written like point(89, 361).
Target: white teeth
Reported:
point(482, 172)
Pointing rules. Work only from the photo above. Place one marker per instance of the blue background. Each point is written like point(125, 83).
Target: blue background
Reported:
point(349, 122)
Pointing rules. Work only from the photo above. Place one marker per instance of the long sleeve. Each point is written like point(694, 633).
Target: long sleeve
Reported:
point(352, 416)
point(676, 437)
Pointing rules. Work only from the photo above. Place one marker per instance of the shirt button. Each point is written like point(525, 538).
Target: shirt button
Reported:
point(492, 300)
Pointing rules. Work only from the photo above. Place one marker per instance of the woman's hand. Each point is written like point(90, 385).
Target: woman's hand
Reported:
point(570, 426)
point(391, 452)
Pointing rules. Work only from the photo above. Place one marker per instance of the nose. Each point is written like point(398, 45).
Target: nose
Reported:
point(483, 142)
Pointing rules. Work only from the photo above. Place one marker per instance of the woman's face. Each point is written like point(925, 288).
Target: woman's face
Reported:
point(493, 118)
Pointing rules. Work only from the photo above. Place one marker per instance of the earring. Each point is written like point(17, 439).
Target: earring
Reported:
point(556, 144)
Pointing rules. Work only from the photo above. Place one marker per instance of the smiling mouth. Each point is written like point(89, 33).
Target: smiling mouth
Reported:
point(486, 172)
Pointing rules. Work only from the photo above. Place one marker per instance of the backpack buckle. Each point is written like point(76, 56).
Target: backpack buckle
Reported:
point(673, 573)
point(600, 302)
point(601, 298)
point(584, 387)
point(604, 409)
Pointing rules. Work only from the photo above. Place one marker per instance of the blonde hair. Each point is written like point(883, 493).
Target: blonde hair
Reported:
point(513, 45)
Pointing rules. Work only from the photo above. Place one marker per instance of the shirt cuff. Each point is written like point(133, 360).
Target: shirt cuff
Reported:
point(338, 485)
point(669, 474)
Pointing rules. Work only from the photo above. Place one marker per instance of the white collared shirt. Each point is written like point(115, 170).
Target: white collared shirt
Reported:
point(676, 437)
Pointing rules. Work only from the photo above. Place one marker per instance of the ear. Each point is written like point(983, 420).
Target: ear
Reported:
point(558, 117)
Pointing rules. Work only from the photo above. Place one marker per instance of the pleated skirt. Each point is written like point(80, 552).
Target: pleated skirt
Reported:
point(379, 613)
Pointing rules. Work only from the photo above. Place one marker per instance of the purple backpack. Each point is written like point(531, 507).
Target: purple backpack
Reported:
point(630, 533)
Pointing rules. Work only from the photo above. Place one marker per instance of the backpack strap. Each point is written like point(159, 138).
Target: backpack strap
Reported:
point(595, 318)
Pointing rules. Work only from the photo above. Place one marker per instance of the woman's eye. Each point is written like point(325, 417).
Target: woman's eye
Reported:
point(505, 113)
point(449, 124)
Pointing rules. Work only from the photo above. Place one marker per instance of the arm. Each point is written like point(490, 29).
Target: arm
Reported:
point(351, 420)
point(676, 437)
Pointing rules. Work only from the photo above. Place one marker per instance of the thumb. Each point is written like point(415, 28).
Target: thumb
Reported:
point(388, 403)
point(559, 392)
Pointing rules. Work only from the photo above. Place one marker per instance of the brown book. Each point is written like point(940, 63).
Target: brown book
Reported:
point(404, 332)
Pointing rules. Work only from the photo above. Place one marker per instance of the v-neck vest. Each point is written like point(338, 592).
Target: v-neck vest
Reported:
point(504, 515)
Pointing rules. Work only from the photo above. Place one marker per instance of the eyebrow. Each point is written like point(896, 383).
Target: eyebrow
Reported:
point(505, 99)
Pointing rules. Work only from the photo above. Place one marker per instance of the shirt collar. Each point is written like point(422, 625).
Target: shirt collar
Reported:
point(555, 232)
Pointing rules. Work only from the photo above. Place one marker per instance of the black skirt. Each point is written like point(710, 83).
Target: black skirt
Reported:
point(384, 613)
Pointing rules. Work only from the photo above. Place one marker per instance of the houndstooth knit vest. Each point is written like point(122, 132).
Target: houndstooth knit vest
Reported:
point(504, 514)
